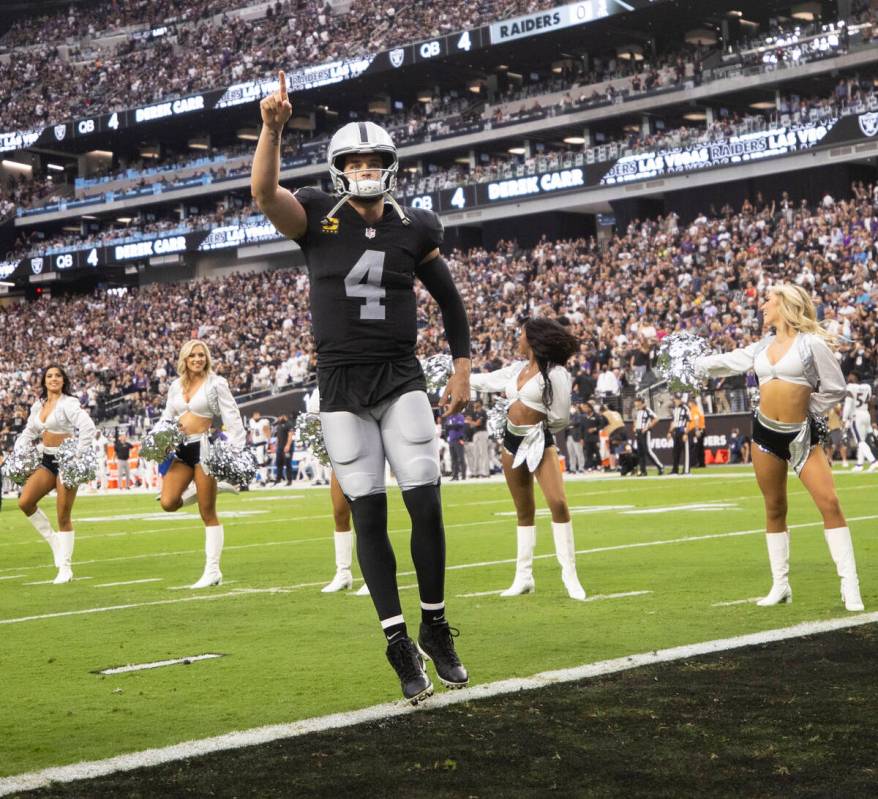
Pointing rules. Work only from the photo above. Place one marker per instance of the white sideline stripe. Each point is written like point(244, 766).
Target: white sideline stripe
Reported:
point(48, 582)
point(157, 664)
point(479, 593)
point(735, 602)
point(12, 577)
point(694, 506)
point(275, 732)
point(130, 582)
point(158, 516)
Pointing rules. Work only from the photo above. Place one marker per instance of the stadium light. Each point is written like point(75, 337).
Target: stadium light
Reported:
point(516, 151)
point(762, 105)
point(124, 219)
point(695, 116)
point(462, 160)
point(248, 134)
point(16, 166)
point(55, 167)
point(574, 140)
point(425, 97)
point(100, 153)
point(806, 11)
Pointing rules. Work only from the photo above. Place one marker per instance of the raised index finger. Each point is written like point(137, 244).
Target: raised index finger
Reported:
point(283, 85)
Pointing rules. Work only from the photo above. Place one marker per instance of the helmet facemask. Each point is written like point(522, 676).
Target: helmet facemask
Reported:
point(349, 184)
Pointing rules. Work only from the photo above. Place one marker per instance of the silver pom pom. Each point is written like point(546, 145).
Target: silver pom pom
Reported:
point(820, 425)
point(229, 464)
point(75, 466)
point(21, 464)
point(676, 361)
point(309, 435)
point(161, 441)
point(497, 417)
point(437, 370)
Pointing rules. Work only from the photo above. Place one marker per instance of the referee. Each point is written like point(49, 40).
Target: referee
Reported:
point(679, 432)
point(644, 420)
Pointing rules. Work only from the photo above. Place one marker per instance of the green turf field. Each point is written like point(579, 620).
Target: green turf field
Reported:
point(292, 652)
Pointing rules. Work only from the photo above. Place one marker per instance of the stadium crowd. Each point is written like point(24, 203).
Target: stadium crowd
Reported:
point(36, 90)
point(852, 94)
point(196, 55)
point(620, 299)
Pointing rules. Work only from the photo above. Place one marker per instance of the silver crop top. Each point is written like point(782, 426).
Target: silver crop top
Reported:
point(213, 398)
point(808, 362)
point(531, 393)
point(67, 417)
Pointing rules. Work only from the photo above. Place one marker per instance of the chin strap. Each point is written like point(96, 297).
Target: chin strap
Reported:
point(387, 196)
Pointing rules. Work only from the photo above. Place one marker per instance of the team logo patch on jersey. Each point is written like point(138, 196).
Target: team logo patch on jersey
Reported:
point(869, 124)
point(370, 232)
point(397, 57)
point(331, 225)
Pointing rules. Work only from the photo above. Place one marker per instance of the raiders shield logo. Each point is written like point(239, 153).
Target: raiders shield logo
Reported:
point(60, 132)
point(869, 124)
point(36, 265)
point(397, 57)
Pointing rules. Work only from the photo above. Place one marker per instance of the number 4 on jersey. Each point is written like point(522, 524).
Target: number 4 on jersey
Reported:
point(364, 282)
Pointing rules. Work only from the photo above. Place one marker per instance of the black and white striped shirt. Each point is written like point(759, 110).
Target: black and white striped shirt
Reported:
point(681, 418)
point(643, 419)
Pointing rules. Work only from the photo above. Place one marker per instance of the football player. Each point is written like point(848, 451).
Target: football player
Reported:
point(858, 420)
point(363, 252)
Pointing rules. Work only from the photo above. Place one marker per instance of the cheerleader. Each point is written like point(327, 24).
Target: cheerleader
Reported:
point(56, 416)
point(799, 379)
point(194, 399)
point(539, 392)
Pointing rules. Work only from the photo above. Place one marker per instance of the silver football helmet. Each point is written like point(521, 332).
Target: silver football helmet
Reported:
point(363, 137)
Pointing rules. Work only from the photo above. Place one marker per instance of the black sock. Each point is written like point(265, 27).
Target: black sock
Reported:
point(424, 504)
point(395, 632)
point(433, 616)
point(374, 553)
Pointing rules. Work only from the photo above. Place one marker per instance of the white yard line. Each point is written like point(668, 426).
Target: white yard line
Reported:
point(130, 582)
point(49, 582)
point(275, 732)
point(158, 664)
point(622, 595)
point(736, 602)
point(11, 577)
point(37, 541)
point(482, 564)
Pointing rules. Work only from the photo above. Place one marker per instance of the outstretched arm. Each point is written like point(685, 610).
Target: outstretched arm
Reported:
point(434, 274)
point(285, 212)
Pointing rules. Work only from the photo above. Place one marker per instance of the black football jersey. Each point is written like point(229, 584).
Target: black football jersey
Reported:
point(362, 277)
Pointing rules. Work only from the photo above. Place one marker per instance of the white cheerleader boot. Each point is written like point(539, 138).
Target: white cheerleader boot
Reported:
point(842, 550)
point(779, 558)
point(344, 547)
point(64, 557)
point(213, 549)
point(523, 583)
point(363, 590)
point(565, 551)
point(43, 526)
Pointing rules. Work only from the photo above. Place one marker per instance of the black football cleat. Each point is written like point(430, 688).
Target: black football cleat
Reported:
point(436, 643)
point(409, 666)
